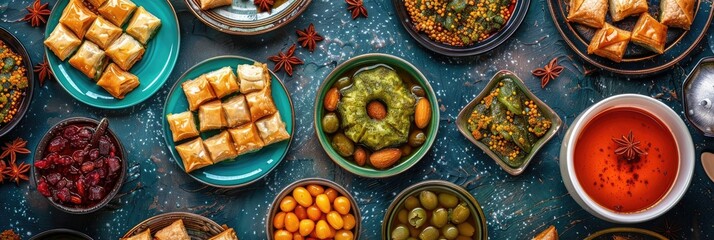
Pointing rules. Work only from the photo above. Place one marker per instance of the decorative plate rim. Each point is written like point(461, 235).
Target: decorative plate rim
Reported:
point(279, 21)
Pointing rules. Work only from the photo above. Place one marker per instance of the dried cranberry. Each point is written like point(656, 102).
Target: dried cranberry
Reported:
point(57, 144)
point(93, 178)
point(63, 195)
point(87, 167)
point(85, 133)
point(80, 187)
point(61, 183)
point(43, 188)
point(96, 193)
point(79, 156)
point(76, 200)
point(64, 160)
point(42, 164)
point(76, 142)
point(94, 154)
point(73, 170)
point(70, 131)
point(114, 164)
point(105, 146)
point(99, 163)
point(53, 178)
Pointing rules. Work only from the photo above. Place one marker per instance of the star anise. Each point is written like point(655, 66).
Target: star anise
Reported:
point(13, 148)
point(43, 71)
point(264, 5)
point(17, 172)
point(357, 8)
point(37, 13)
point(549, 72)
point(309, 37)
point(628, 147)
point(2, 171)
point(286, 60)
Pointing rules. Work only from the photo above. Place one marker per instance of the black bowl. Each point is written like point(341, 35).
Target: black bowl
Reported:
point(18, 48)
point(40, 152)
point(496, 39)
point(61, 234)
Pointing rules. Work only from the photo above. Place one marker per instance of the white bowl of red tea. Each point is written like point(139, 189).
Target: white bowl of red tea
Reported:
point(627, 159)
point(76, 176)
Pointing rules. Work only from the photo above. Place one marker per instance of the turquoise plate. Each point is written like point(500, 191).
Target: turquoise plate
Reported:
point(153, 69)
point(245, 169)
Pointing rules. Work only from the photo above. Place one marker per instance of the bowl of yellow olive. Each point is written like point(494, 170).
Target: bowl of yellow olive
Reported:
point(313, 208)
point(433, 210)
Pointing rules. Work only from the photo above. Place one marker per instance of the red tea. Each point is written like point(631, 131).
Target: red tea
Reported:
point(618, 181)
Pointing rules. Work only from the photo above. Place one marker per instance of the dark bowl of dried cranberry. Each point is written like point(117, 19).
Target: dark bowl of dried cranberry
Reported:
point(78, 175)
point(61, 234)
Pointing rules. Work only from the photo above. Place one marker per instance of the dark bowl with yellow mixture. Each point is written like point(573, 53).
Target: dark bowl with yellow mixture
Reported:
point(16, 81)
point(459, 28)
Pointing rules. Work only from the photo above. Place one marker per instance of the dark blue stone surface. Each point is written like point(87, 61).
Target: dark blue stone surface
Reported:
point(516, 207)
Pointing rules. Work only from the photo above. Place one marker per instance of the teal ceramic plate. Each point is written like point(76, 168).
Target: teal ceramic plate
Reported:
point(403, 68)
point(245, 169)
point(153, 69)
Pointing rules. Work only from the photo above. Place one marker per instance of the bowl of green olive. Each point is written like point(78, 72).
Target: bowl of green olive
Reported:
point(433, 210)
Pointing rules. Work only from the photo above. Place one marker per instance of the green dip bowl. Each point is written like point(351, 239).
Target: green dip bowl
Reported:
point(398, 64)
point(462, 121)
point(437, 186)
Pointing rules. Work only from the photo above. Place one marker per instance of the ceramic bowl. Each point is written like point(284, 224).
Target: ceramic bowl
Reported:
point(61, 233)
point(275, 207)
point(436, 186)
point(462, 121)
point(40, 152)
point(369, 60)
point(625, 233)
point(19, 49)
point(197, 226)
point(665, 115)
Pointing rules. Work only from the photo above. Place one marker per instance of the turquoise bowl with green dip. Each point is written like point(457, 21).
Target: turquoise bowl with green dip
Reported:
point(408, 73)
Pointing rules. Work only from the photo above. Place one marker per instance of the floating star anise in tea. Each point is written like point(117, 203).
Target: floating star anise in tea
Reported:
point(628, 148)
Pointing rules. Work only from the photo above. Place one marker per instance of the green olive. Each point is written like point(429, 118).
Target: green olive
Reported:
point(450, 232)
point(447, 200)
point(439, 217)
point(417, 138)
point(466, 229)
point(402, 216)
point(418, 90)
point(343, 145)
point(417, 217)
point(330, 123)
point(428, 200)
point(460, 213)
point(429, 233)
point(343, 83)
point(411, 203)
point(401, 232)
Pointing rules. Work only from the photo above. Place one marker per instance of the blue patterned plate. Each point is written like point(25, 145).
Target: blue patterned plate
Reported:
point(244, 169)
point(153, 69)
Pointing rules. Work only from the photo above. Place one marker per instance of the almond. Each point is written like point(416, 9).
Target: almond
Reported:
point(376, 110)
point(331, 99)
point(385, 158)
point(361, 156)
point(422, 114)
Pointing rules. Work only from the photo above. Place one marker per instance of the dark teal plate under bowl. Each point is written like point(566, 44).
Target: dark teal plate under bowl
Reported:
point(153, 69)
point(637, 61)
point(244, 169)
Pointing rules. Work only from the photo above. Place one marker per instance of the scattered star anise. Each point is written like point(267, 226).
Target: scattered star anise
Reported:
point(549, 72)
point(37, 13)
point(309, 37)
point(43, 71)
point(357, 8)
point(264, 5)
point(286, 60)
point(13, 148)
point(17, 172)
point(628, 147)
